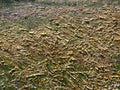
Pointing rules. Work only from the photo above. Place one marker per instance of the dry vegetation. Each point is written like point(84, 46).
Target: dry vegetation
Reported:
point(44, 47)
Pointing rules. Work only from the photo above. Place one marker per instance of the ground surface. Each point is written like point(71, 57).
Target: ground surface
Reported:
point(59, 48)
